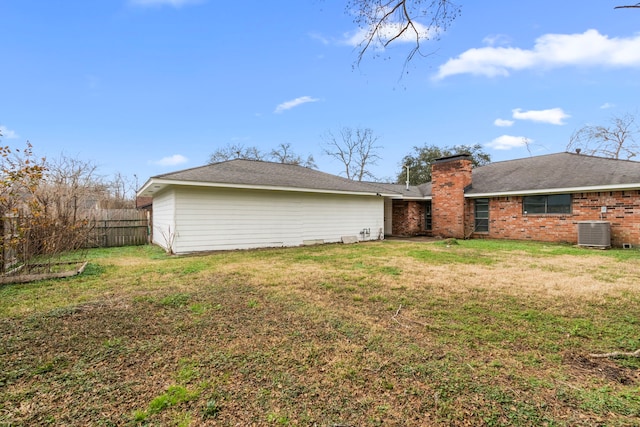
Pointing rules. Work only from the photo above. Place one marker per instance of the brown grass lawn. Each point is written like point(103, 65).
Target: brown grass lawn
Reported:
point(379, 334)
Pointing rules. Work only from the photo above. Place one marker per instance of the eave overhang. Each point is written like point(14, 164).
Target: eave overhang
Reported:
point(410, 198)
point(564, 190)
point(154, 185)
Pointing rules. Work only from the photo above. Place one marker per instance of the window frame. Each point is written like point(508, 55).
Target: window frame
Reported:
point(428, 216)
point(481, 223)
point(539, 204)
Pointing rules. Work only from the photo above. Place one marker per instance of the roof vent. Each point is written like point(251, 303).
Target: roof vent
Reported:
point(594, 234)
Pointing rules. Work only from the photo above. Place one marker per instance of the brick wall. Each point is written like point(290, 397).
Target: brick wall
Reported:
point(449, 177)
point(453, 215)
point(407, 218)
point(507, 220)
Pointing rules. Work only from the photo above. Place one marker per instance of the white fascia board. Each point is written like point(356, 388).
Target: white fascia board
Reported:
point(401, 197)
point(595, 189)
point(162, 183)
point(141, 192)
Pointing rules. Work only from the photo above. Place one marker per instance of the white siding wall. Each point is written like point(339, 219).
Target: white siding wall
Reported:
point(215, 219)
point(164, 228)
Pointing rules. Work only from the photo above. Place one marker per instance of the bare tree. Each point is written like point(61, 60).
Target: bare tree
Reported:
point(235, 151)
point(356, 149)
point(70, 188)
point(386, 21)
point(284, 154)
point(121, 190)
point(631, 6)
point(281, 154)
point(616, 141)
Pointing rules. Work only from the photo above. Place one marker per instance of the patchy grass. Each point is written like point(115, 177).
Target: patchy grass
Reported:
point(384, 333)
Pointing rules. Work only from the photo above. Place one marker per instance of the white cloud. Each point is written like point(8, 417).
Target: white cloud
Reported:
point(176, 159)
point(287, 105)
point(319, 37)
point(503, 123)
point(606, 106)
point(554, 116)
point(174, 3)
point(8, 133)
point(588, 49)
point(507, 142)
point(496, 39)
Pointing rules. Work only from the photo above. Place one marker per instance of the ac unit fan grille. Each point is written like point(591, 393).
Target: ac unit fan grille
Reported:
point(594, 233)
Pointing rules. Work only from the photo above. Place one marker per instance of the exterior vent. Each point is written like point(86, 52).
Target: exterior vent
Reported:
point(594, 233)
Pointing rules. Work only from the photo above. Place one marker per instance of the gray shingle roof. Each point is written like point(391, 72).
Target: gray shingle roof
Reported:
point(553, 171)
point(266, 174)
point(400, 190)
point(548, 172)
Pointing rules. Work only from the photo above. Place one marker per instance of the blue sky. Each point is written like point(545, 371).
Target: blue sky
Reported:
point(146, 87)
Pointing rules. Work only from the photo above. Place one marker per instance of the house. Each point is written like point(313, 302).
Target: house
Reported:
point(242, 204)
point(543, 198)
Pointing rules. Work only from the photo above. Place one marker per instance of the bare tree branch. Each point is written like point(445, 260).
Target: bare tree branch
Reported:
point(634, 6)
point(386, 22)
point(355, 149)
point(235, 151)
point(390, 21)
point(284, 154)
point(616, 141)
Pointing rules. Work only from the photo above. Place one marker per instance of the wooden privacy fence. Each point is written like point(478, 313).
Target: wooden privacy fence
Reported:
point(121, 227)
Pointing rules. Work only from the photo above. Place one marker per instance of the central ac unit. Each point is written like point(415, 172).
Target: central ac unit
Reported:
point(594, 234)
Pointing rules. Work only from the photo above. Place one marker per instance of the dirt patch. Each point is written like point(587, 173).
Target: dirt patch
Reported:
point(604, 368)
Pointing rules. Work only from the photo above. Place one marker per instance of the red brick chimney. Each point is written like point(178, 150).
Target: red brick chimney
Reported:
point(449, 178)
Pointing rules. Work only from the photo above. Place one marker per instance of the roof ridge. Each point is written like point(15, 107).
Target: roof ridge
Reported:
point(268, 174)
point(562, 153)
point(181, 170)
point(229, 161)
